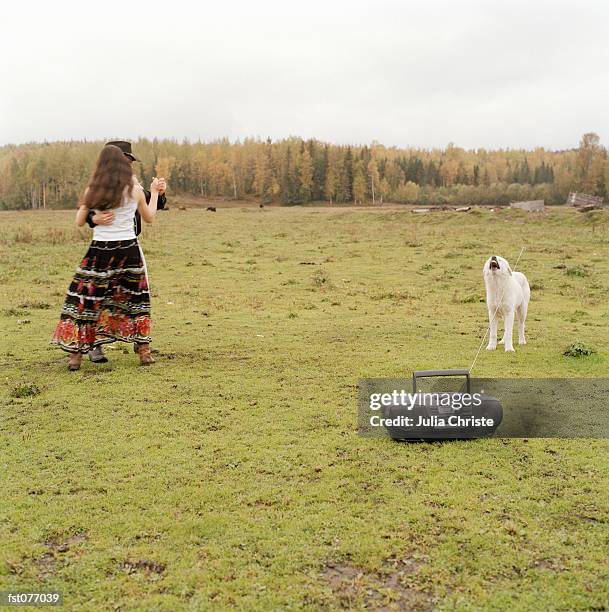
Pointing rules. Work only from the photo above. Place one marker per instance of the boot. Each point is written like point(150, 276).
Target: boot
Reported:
point(145, 356)
point(75, 361)
point(136, 348)
point(96, 355)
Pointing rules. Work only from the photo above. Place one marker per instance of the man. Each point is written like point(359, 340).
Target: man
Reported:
point(96, 355)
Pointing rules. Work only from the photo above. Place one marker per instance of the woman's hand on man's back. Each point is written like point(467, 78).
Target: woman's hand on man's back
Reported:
point(104, 217)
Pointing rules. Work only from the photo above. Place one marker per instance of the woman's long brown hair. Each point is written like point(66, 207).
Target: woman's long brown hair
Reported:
point(107, 184)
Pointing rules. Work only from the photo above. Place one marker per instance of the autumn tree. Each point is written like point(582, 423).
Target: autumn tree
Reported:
point(590, 164)
point(374, 178)
point(305, 175)
point(332, 175)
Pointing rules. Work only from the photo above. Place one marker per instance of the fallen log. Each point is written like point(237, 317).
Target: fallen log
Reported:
point(588, 208)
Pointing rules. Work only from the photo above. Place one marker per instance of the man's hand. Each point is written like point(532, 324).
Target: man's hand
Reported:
point(155, 186)
point(105, 217)
point(162, 186)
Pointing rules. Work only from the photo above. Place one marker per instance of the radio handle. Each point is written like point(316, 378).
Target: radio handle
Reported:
point(429, 373)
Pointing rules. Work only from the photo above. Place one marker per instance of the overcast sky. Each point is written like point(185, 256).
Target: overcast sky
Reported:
point(406, 73)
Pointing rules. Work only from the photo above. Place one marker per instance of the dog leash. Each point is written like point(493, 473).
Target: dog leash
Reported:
point(493, 317)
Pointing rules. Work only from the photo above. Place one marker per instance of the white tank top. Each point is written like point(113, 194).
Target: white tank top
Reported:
point(123, 227)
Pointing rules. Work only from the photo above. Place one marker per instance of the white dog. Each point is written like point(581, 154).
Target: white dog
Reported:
point(507, 294)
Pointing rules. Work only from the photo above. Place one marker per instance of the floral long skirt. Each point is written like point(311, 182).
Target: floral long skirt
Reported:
point(107, 300)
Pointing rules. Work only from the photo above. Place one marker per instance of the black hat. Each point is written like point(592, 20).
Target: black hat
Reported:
point(124, 146)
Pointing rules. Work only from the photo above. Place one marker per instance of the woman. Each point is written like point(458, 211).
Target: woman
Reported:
point(108, 298)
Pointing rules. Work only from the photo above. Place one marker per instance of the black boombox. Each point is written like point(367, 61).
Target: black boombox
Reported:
point(442, 415)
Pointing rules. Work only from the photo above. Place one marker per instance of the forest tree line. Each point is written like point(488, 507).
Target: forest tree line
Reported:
point(297, 171)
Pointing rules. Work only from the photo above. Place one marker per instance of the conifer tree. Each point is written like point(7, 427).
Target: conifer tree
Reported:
point(345, 193)
point(305, 172)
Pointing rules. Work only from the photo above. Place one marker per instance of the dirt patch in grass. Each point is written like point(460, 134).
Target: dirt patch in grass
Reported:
point(15, 312)
point(392, 588)
point(35, 305)
point(394, 296)
point(24, 390)
point(50, 562)
point(554, 564)
point(63, 545)
point(142, 565)
point(321, 280)
point(580, 271)
point(46, 565)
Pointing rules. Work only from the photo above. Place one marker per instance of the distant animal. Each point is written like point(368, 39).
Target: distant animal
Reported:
point(211, 208)
point(261, 205)
point(507, 295)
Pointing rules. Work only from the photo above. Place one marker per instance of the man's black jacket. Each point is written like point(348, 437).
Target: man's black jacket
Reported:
point(137, 221)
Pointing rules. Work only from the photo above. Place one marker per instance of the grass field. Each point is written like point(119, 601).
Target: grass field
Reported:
point(231, 475)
